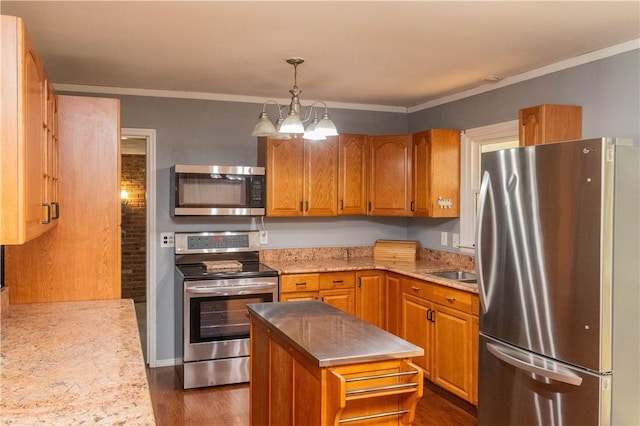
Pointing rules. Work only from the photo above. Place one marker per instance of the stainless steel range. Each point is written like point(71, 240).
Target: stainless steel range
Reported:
point(217, 275)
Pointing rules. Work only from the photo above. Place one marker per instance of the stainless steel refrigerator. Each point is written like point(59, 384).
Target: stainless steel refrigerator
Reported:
point(558, 261)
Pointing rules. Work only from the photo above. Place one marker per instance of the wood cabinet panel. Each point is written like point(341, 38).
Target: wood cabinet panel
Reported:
point(436, 173)
point(80, 258)
point(352, 174)
point(321, 177)
point(337, 280)
point(393, 307)
point(371, 296)
point(299, 282)
point(390, 175)
point(343, 299)
point(549, 123)
point(417, 330)
point(283, 160)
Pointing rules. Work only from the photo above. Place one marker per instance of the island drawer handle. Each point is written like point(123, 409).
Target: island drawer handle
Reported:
point(381, 388)
point(381, 376)
point(373, 416)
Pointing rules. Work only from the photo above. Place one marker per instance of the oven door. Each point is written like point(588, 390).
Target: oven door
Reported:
point(216, 320)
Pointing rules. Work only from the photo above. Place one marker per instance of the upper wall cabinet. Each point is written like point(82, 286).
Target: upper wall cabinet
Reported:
point(390, 175)
point(550, 123)
point(301, 176)
point(28, 178)
point(352, 174)
point(436, 172)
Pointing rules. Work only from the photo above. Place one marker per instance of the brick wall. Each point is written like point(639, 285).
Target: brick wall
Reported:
point(134, 274)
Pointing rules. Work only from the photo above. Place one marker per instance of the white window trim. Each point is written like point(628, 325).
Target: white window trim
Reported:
point(472, 140)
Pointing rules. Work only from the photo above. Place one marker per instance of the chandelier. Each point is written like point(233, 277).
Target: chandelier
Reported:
point(292, 124)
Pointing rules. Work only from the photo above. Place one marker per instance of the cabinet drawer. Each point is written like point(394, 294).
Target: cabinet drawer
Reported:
point(417, 288)
point(296, 296)
point(452, 298)
point(299, 282)
point(335, 280)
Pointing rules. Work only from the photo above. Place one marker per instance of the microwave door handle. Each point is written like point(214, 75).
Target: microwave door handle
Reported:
point(510, 358)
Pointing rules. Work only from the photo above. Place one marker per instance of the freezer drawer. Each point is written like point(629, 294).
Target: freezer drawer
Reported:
point(520, 388)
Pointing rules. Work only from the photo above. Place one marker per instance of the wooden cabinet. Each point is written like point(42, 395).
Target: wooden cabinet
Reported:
point(390, 175)
point(302, 176)
point(393, 303)
point(80, 258)
point(548, 123)
point(28, 198)
point(436, 173)
point(352, 174)
point(371, 295)
point(440, 320)
point(334, 288)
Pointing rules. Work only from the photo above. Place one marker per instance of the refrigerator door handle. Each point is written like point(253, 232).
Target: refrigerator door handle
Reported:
point(565, 376)
point(484, 188)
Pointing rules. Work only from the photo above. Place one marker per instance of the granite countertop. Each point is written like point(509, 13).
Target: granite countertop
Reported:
point(420, 269)
point(328, 336)
point(73, 363)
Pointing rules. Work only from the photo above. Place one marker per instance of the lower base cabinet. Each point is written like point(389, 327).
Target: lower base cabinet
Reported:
point(440, 320)
point(334, 288)
point(288, 389)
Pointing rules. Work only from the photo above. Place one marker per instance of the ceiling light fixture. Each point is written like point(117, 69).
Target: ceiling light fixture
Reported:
point(292, 125)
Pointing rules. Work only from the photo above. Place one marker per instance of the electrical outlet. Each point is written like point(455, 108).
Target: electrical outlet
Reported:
point(166, 239)
point(264, 237)
point(443, 238)
point(455, 240)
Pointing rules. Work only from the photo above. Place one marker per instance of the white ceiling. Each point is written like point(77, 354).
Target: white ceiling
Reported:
point(384, 53)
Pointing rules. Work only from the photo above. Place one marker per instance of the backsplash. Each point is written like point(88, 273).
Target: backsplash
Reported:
point(462, 261)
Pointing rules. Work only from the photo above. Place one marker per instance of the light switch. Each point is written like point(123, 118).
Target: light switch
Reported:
point(443, 238)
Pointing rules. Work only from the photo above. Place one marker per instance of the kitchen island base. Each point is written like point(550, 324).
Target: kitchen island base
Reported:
point(290, 387)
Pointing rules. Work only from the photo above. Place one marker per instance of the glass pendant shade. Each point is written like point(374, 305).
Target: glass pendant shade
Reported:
point(264, 127)
point(311, 133)
point(326, 127)
point(292, 124)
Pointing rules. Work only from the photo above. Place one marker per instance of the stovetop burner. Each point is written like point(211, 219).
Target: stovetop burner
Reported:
point(198, 271)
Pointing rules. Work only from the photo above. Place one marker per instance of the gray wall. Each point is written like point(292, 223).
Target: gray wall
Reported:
point(202, 132)
point(608, 90)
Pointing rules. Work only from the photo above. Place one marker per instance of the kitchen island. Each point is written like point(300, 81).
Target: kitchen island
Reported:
point(312, 364)
point(73, 363)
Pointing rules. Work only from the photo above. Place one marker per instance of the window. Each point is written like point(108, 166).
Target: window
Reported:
point(474, 143)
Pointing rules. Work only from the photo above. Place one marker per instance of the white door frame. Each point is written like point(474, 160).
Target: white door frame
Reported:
point(150, 136)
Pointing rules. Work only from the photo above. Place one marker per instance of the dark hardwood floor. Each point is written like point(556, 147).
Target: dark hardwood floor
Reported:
point(229, 405)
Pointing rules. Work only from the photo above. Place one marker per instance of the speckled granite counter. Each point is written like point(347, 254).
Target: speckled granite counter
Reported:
point(420, 269)
point(73, 363)
point(330, 337)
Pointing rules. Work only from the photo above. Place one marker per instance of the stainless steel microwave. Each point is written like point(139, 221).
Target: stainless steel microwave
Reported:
point(217, 190)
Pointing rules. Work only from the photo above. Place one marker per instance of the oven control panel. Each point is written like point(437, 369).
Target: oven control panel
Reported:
point(216, 242)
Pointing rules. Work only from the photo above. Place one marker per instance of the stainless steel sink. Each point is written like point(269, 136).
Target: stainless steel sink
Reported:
point(462, 276)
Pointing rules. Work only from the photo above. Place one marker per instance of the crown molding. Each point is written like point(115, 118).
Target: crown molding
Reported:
point(558, 66)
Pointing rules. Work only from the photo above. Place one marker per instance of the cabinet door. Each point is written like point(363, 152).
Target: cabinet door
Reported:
point(390, 175)
point(393, 308)
point(352, 174)
point(35, 143)
point(452, 341)
point(547, 123)
point(416, 328)
point(342, 299)
point(437, 173)
point(370, 297)
point(284, 176)
point(320, 177)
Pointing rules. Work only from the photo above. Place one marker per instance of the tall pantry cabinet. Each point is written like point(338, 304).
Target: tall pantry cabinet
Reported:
point(80, 258)
point(29, 204)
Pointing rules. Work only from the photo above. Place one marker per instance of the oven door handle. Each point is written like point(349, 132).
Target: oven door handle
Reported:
point(223, 291)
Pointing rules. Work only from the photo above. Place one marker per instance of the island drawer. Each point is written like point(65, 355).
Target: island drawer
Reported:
point(335, 280)
point(299, 282)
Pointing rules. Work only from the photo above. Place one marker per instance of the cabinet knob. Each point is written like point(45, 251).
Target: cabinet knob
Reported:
point(450, 299)
point(415, 288)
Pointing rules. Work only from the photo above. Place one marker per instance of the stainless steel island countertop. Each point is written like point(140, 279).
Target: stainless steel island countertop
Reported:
point(328, 336)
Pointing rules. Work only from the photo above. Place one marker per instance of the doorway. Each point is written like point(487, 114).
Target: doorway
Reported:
point(137, 185)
